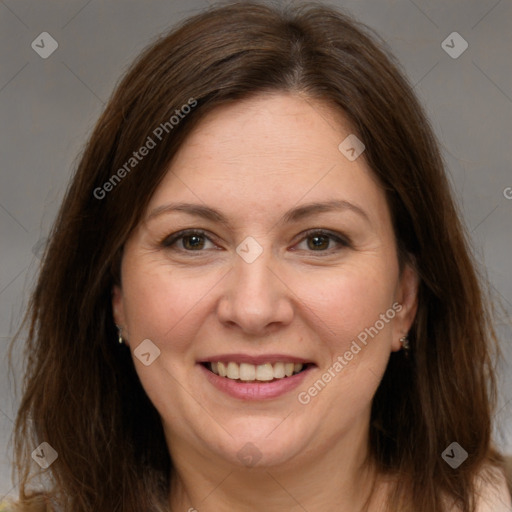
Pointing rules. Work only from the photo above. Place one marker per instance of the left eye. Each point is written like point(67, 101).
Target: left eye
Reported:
point(320, 241)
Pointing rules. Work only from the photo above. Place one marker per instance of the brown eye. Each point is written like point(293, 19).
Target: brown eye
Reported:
point(318, 242)
point(193, 242)
point(323, 241)
point(188, 241)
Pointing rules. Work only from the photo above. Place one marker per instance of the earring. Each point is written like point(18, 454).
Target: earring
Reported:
point(404, 341)
point(120, 335)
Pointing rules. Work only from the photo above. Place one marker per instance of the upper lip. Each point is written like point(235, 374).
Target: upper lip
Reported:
point(255, 360)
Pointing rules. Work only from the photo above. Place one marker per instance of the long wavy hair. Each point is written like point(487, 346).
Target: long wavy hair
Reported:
point(81, 393)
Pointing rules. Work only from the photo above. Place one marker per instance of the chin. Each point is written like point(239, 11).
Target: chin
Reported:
point(268, 443)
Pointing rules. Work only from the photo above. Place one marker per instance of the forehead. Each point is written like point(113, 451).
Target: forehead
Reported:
point(268, 152)
point(267, 129)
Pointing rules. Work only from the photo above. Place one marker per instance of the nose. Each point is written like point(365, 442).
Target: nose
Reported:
point(255, 297)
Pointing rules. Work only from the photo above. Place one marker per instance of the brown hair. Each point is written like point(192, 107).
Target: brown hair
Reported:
point(82, 394)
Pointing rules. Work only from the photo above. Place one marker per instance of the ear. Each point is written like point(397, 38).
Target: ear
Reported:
point(118, 307)
point(406, 297)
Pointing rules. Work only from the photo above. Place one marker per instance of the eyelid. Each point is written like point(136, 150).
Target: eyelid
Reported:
point(341, 239)
point(170, 240)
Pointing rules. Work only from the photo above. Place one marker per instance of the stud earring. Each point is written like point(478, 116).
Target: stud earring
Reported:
point(404, 341)
point(120, 335)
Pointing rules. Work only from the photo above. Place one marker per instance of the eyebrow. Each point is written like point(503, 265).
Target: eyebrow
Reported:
point(293, 215)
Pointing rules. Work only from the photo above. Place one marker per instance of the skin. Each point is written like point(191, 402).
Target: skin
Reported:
point(253, 161)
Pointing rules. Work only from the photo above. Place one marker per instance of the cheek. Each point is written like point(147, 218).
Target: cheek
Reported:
point(161, 304)
point(349, 305)
point(348, 300)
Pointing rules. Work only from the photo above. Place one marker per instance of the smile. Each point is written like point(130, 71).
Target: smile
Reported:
point(246, 372)
point(260, 377)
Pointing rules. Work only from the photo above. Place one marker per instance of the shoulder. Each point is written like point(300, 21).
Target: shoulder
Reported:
point(492, 491)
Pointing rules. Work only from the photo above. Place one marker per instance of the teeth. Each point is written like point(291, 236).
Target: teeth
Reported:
point(279, 370)
point(222, 369)
point(233, 371)
point(264, 372)
point(250, 372)
point(247, 371)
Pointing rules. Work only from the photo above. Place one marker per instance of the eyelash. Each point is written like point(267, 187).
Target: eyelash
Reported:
point(171, 240)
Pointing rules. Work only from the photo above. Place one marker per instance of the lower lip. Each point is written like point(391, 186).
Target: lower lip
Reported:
point(255, 390)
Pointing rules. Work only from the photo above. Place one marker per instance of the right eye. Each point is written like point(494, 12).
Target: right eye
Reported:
point(189, 240)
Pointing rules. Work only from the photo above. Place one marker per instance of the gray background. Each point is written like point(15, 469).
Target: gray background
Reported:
point(48, 108)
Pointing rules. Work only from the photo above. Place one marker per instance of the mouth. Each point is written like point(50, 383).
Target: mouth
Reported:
point(250, 377)
point(248, 373)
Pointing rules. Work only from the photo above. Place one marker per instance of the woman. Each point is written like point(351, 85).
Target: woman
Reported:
point(258, 294)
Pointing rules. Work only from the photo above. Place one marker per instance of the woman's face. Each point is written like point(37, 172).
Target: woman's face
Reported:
point(291, 261)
